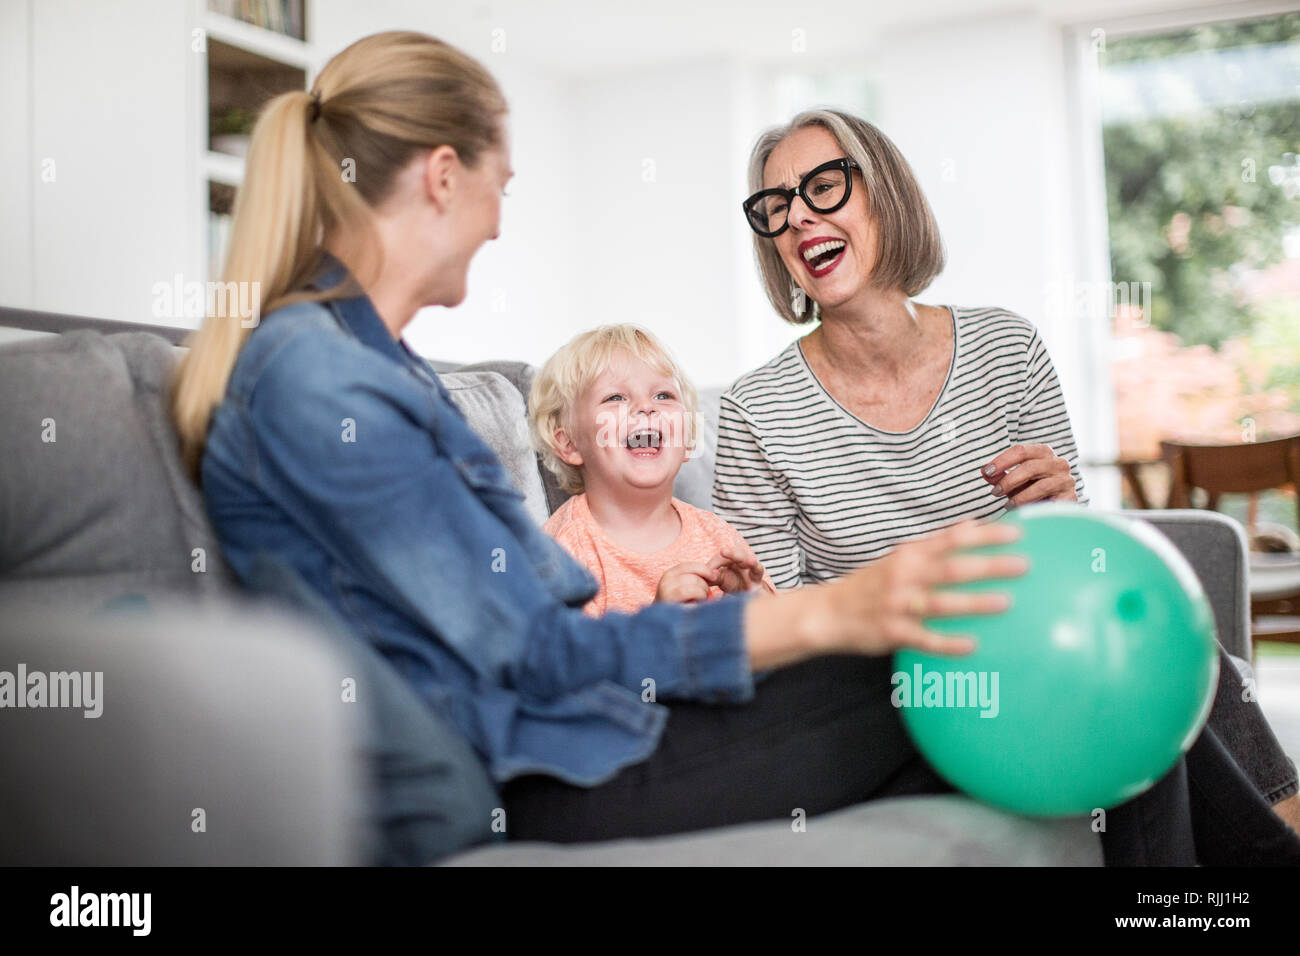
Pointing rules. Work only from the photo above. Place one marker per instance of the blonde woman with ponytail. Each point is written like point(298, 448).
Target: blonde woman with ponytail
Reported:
point(329, 452)
point(318, 164)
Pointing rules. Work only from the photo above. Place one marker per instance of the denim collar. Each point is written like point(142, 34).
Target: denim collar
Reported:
point(358, 316)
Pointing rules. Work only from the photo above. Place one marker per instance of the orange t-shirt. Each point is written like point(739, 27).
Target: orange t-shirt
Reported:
point(629, 580)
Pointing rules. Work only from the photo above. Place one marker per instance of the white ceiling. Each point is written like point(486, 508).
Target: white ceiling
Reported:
point(585, 36)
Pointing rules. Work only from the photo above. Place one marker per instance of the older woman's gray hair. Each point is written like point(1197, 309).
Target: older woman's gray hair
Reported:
point(911, 252)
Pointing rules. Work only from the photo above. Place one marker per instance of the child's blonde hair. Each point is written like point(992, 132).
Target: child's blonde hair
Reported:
point(570, 372)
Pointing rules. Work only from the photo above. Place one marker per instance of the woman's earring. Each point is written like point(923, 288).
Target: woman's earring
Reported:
point(798, 301)
point(817, 312)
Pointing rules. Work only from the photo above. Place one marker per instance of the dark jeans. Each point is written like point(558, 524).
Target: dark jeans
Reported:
point(1242, 728)
point(823, 735)
point(428, 794)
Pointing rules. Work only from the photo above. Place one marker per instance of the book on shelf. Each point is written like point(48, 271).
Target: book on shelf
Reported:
point(279, 16)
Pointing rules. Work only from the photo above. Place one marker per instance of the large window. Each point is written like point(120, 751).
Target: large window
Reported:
point(1201, 131)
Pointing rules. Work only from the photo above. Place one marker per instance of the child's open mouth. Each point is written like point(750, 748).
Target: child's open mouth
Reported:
point(644, 443)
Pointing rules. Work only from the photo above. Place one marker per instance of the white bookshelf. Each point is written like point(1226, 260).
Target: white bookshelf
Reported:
point(106, 148)
point(244, 66)
point(223, 168)
point(259, 40)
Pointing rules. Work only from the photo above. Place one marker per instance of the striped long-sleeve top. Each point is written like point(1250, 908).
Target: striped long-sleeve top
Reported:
point(817, 492)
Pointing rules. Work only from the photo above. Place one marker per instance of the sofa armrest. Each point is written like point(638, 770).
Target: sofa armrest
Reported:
point(220, 740)
point(1215, 546)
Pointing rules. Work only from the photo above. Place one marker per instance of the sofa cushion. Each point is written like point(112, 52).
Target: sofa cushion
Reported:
point(694, 484)
point(518, 374)
point(494, 408)
point(206, 705)
point(943, 830)
point(521, 375)
point(94, 502)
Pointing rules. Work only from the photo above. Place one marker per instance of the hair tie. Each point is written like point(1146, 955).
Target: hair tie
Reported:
point(315, 106)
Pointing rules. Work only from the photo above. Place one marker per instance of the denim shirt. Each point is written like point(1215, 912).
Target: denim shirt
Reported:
point(338, 452)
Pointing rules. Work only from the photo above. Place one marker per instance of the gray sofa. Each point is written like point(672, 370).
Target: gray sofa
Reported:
point(215, 702)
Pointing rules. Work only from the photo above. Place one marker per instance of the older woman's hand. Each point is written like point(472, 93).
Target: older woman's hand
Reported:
point(1027, 473)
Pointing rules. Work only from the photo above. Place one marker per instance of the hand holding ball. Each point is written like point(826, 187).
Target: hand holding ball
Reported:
point(1087, 690)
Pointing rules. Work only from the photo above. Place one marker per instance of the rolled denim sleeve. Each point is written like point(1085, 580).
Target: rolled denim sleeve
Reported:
point(350, 450)
point(689, 652)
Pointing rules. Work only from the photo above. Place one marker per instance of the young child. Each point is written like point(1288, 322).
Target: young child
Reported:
point(613, 419)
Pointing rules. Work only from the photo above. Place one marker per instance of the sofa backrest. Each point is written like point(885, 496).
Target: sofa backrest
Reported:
point(495, 409)
point(1215, 546)
point(95, 506)
point(94, 503)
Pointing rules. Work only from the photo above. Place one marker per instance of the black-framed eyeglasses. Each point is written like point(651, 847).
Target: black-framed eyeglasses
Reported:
point(824, 190)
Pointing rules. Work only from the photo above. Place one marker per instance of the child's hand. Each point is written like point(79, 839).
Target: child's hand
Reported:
point(738, 569)
point(686, 583)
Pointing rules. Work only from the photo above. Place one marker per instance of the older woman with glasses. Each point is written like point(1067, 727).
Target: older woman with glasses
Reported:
point(891, 419)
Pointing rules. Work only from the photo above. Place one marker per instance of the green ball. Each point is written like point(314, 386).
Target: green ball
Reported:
point(1087, 690)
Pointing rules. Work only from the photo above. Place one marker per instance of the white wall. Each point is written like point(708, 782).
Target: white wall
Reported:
point(107, 167)
point(656, 210)
point(626, 201)
point(520, 287)
point(644, 170)
point(16, 166)
point(521, 295)
point(996, 151)
point(625, 206)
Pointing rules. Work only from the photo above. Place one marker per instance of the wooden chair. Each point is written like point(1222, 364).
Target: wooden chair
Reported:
point(1247, 469)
